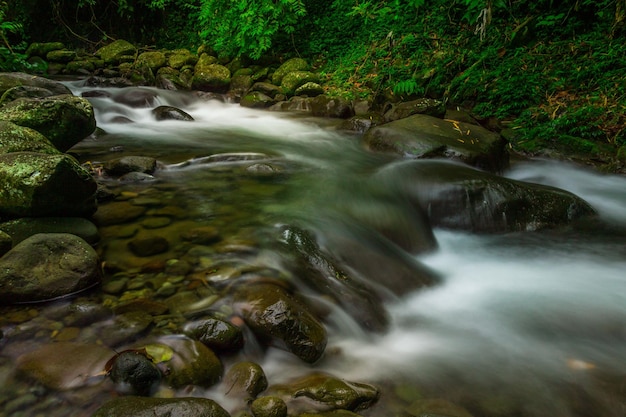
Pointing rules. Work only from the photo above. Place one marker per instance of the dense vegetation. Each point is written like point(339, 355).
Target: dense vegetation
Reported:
point(552, 71)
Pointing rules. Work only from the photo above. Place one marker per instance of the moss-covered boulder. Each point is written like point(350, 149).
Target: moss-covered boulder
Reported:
point(210, 76)
point(294, 79)
point(178, 58)
point(14, 79)
point(47, 266)
point(115, 52)
point(14, 138)
point(153, 60)
point(83, 66)
point(41, 49)
point(256, 100)
point(160, 407)
point(291, 65)
point(459, 197)
point(429, 106)
point(276, 316)
point(63, 56)
point(335, 107)
point(65, 120)
point(309, 89)
point(25, 227)
point(423, 136)
point(40, 185)
point(24, 91)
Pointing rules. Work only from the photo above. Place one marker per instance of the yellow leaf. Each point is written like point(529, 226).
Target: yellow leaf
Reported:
point(159, 353)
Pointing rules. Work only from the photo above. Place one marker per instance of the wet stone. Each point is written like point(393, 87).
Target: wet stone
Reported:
point(156, 222)
point(160, 407)
point(134, 373)
point(191, 364)
point(117, 213)
point(148, 246)
point(115, 287)
point(269, 407)
point(204, 235)
point(244, 380)
point(217, 334)
point(125, 328)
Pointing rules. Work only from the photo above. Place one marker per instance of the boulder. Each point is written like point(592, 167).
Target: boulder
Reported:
point(324, 106)
point(14, 79)
point(429, 106)
point(47, 266)
point(210, 76)
point(14, 138)
point(217, 334)
point(292, 80)
point(24, 91)
point(40, 185)
point(152, 60)
point(256, 100)
point(63, 56)
point(65, 120)
point(160, 407)
point(291, 65)
point(459, 197)
point(178, 58)
point(309, 89)
point(136, 97)
point(41, 49)
point(115, 51)
point(266, 88)
point(274, 315)
point(423, 136)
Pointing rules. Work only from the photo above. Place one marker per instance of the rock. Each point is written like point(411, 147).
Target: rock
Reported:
point(134, 373)
point(328, 392)
point(24, 91)
point(117, 213)
point(268, 89)
point(422, 136)
point(115, 51)
point(136, 97)
point(334, 413)
point(363, 123)
point(462, 198)
point(170, 113)
point(268, 407)
point(47, 266)
point(256, 100)
point(170, 79)
point(219, 335)
point(192, 363)
point(63, 56)
point(40, 185)
point(148, 246)
point(126, 164)
point(244, 380)
point(41, 49)
point(210, 76)
point(302, 104)
point(291, 65)
point(65, 120)
point(125, 328)
point(136, 177)
point(309, 89)
point(320, 272)
point(273, 314)
point(6, 243)
point(295, 79)
point(240, 84)
point(14, 138)
point(160, 407)
point(65, 365)
point(324, 106)
point(82, 67)
point(14, 79)
point(428, 106)
point(22, 228)
point(152, 60)
point(178, 58)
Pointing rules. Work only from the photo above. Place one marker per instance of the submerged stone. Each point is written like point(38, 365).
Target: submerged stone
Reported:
point(47, 266)
point(161, 407)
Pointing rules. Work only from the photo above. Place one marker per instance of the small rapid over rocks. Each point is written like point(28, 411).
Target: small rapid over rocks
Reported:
point(271, 264)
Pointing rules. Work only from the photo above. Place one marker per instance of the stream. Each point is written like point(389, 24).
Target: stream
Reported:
point(528, 324)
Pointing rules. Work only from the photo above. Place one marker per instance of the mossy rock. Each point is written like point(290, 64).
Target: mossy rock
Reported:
point(115, 52)
point(41, 49)
point(292, 80)
point(309, 89)
point(180, 57)
point(39, 185)
point(256, 100)
point(80, 67)
point(63, 56)
point(64, 120)
point(291, 65)
point(15, 138)
point(212, 77)
point(152, 60)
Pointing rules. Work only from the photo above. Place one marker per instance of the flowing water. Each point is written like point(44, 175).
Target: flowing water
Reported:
point(522, 324)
